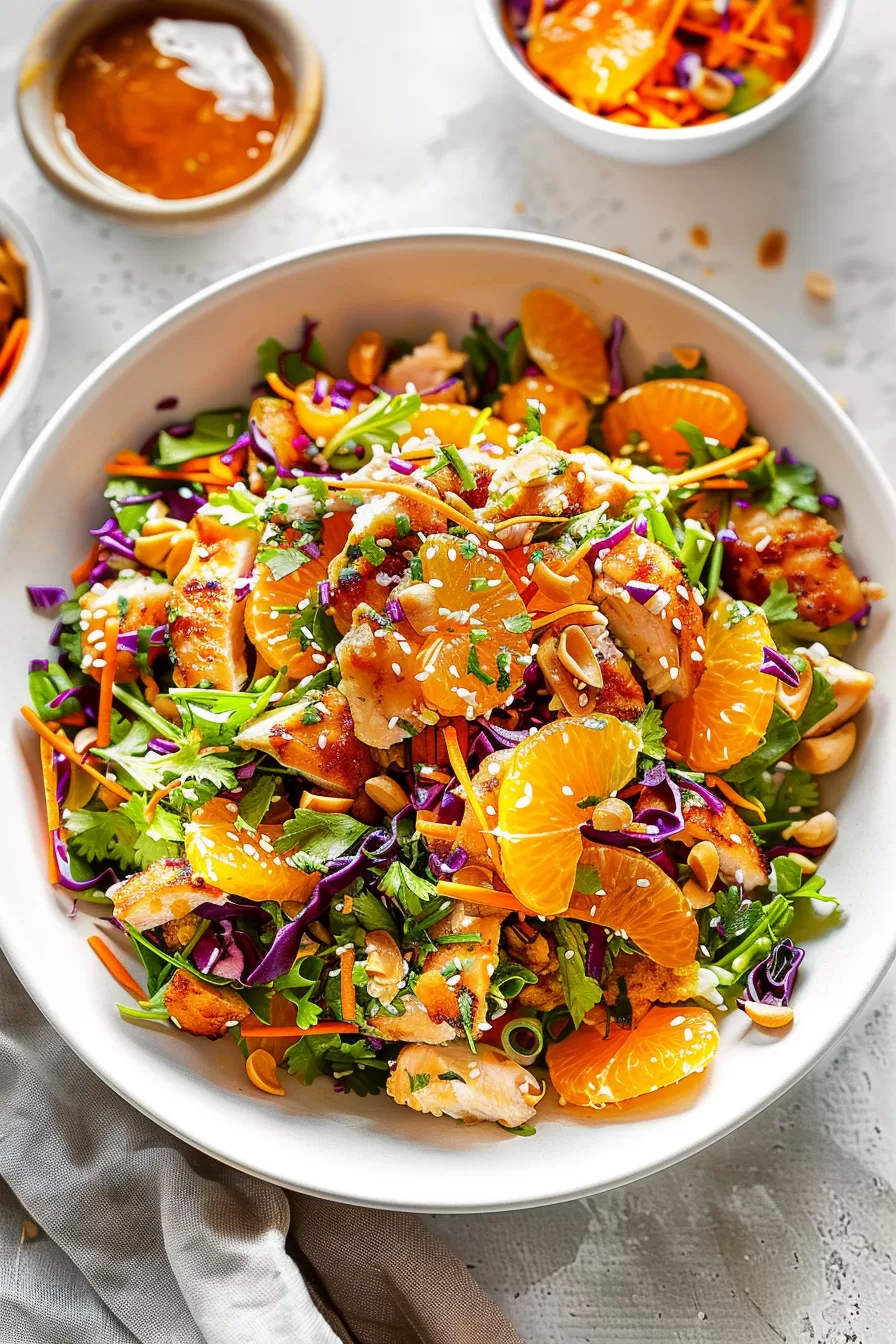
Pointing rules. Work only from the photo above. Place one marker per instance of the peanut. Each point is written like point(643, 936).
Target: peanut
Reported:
point(576, 653)
point(767, 1014)
point(697, 897)
point(703, 862)
point(823, 755)
point(387, 793)
point(179, 553)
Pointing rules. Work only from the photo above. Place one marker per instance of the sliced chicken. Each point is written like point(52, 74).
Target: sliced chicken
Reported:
point(646, 983)
point(377, 667)
point(425, 368)
point(206, 625)
point(414, 1024)
point(137, 602)
point(665, 635)
point(326, 751)
point(167, 890)
point(535, 949)
point(487, 1085)
point(799, 551)
point(202, 1009)
point(540, 480)
point(740, 859)
point(618, 694)
point(454, 981)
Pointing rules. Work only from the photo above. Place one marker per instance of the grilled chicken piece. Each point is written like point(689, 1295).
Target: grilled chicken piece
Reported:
point(178, 932)
point(383, 701)
point(540, 480)
point(202, 1009)
point(567, 415)
point(277, 425)
point(205, 619)
point(493, 1087)
point(646, 983)
point(665, 636)
point(147, 604)
point(426, 367)
point(537, 951)
point(167, 890)
point(449, 996)
point(740, 859)
point(826, 589)
point(326, 752)
point(414, 1024)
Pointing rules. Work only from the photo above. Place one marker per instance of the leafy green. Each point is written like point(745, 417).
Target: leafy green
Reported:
point(320, 835)
point(257, 798)
point(236, 507)
point(213, 433)
point(587, 879)
point(790, 635)
point(404, 886)
point(219, 715)
point(372, 551)
point(353, 1063)
point(653, 734)
point(783, 732)
point(676, 370)
point(371, 914)
point(737, 918)
point(298, 985)
point(579, 990)
point(283, 560)
point(417, 1081)
point(780, 605)
point(493, 362)
point(382, 422)
point(509, 980)
point(150, 771)
point(295, 368)
point(702, 451)
point(756, 87)
point(787, 876)
point(519, 624)
point(123, 835)
point(821, 702)
point(777, 485)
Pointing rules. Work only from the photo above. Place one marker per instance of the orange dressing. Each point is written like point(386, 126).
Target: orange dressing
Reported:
point(175, 107)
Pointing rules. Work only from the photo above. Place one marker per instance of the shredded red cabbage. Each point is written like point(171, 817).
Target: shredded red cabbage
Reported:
point(320, 389)
point(324, 592)
point(451, 809)
point(63, 768)
point(161, 746)
point(128, 641)
point(167, 403)
point(40, 665)
point(441, 387)
point(394, 609)
point(642, 592)
point(726, 534)
point(598, 938)
point(687, 69)
point(773, 980)
point(617, 377)
point(244, 441)
point(829, 501)
point(242, 588)
point(44, 597)
point(341, 395)
point(282, 952)
point(246, 771)
point(776, 665)
point(264, 449)
point(403, 468)
point(89, 691)
point(301, 442)
point(425, 796)
point(111, 538)
point(603, 547)
point(860, 617)
point(60, 850)
point(712, 802)
point(453, 861)
point(312, 550)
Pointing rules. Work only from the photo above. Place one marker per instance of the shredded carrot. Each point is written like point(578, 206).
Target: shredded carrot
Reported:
point(723, 483)
point(462, 774)
point(14, 337)
point(667, 32)
point(107, 682)
point(347, 995)
point(149, 810)
point(81, 573)
point(704, 30)
point(580, 553)
point(571, 610)
point(734, 797)
point(276, 384)
point(48, 771)
point(61, 743)
point(76, 720)
point(673, 753)
point(437, 830)
point(756, 16)
point(117, 969)
point(347, 905)
point(411, 492)
point(18, 352)
point(579, 907)
point(161, 474)
point(255, 1028)
point(536, 14)
point(744, 457)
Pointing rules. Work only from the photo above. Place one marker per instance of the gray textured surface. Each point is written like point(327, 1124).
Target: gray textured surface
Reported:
point(786, 1230)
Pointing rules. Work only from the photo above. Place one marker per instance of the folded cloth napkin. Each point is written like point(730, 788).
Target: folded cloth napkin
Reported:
point(144, 1240)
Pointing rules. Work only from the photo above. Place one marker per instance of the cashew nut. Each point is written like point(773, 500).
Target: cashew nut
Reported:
point(823, 755)
point(576, 653)
point(613, 814)
point(565, 588)
point(851, 687)
point(697, 897)
point(793, 699)
point(712, 89)
point(387, 793)
point(815, 833)
point(385, 965)
point(703, 861)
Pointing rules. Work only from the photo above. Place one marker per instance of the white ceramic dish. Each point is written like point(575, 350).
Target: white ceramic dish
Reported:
point(642, 145)
point(16, 395)
point(371, 1151)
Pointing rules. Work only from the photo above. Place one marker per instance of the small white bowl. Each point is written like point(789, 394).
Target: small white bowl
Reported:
point(17, 392)
point(690, 144)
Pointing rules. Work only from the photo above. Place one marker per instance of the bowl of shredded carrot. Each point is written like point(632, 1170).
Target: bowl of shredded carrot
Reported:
point(23, 316)
point(663, 81)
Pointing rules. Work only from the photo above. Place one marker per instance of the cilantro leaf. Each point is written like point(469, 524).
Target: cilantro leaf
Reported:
point(653, 734)
point(236, 507)
point(320, 835)
point(579, 990)
point(283, 560)
point(219, 715)
point(775, 485)
point(780, 605)
point(404, 886)
point(736, 917)
point(372, 551)
point(213, 433)
point(151, 771)
point(101, 836)
point(417, 1081)
point(797, 794)
point(452, 1077)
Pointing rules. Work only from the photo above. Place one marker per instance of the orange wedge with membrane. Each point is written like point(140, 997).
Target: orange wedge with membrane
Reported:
point(726, 717)
point(641, 900)
point(454, 424)
point(565, 342)
point(272, 607)
point(243, 863)
point(565, 763)
point(591, 1067)
point(651, 409)
point(567, 415)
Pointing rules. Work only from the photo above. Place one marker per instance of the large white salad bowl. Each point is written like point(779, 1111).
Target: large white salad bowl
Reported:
point(371, 1151)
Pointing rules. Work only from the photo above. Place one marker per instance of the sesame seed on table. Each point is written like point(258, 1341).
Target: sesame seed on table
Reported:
point(781, 1231)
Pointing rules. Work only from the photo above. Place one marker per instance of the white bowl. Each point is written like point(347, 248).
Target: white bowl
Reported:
point(373, 1152)
point(17, 393)
point(691, 144)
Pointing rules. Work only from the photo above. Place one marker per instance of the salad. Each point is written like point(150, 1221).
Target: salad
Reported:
point(452, 726)
point(662, 63)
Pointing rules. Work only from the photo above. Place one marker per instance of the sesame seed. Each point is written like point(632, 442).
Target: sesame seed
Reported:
point(569, 953)
point(676, 623)
point(98, 662)
point(739, 876)
point(495, 545)
point(567, 791)
point(677, 1021)
point(673, 673)
point(642, 882)
point(762, 543)
point(393, 721)
point(436, 583)
point(322, 741)
point(696, 656)
point(396, 668)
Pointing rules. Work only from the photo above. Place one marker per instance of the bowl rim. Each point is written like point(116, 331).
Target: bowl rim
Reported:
point(820, 53)
point(23, 382)
point(880, 956)
point(61, 170)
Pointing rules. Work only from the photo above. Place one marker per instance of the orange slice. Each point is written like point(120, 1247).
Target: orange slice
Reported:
point(474, 625)
point(244, 863)
point(597, 53)
point(651, 409)
point(590, 1068)
point(454, 424)
point(273, 606)
point(643, 901)
point(567, 415)
point(324, 420)
point(565, 343)
point(726, 717)
point(561, 765)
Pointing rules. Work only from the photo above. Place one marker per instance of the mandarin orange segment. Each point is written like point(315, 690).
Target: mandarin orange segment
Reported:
point(274, 607)
point(321, 419)
point(567, 415)
point(243, 863)
point(454, 424)
point(651, 409)
point(636, 897)
point(592, 1068)
point(565, 342)
point(596, 53)
point(563, 764)
point(261, 1069)
point(726, 717)
point(474, 627)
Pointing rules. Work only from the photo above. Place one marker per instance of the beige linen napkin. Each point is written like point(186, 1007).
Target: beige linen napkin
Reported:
point(144, 1240)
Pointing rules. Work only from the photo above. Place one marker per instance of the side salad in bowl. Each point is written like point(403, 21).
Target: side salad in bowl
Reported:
point(451, 724)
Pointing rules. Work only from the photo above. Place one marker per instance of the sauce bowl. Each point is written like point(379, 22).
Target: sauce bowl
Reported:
point(66, 27)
